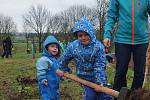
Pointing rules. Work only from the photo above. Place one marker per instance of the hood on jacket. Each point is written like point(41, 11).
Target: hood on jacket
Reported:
point(84, 25)
point(50, 40)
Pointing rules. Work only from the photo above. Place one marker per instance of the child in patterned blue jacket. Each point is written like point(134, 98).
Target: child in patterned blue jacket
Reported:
point(89, 56)
point(47, 65)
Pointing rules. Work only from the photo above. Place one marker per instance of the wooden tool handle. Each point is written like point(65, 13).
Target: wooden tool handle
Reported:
point(93, 85)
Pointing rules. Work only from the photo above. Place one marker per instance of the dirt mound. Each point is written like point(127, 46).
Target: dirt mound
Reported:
point(140, 94)
point(26, 80)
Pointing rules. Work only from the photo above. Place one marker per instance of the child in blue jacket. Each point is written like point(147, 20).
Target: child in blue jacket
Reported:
point(89, 56)
point(47, 65)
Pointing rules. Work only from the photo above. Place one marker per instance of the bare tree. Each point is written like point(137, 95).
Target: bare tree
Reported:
point(77, 11)
point(74, 13)
point(54, 24)
point(27, 30)
point(37, 19)
point(64, 21)
point(9, 25)
point(102, 6)
point(1, 26)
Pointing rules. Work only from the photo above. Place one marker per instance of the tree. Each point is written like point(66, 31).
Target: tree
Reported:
point(37, 20)
point(64, 21)
point(27, 30)
point(102, 6)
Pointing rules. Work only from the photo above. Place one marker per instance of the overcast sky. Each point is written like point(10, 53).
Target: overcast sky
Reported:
point(16, 8)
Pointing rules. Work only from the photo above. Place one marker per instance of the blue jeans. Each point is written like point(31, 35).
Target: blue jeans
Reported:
point(123, 55)
point(91, 94)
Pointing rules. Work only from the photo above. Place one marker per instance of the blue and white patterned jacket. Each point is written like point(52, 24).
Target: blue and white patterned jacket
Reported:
point(90, 60)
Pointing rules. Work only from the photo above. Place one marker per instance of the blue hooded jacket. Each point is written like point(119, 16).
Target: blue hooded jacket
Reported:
point(46, 70)
point(89, 59)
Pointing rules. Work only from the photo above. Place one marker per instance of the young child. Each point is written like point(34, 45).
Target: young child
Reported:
point(47, 65)
point(89, 56)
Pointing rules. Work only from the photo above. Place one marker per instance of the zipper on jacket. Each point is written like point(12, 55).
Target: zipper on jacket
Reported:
point(133, 22)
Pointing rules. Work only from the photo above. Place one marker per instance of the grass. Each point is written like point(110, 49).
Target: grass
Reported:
point(23, 66)
point(18, 78)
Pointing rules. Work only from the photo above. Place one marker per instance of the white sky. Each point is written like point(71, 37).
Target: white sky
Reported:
point(16, 8)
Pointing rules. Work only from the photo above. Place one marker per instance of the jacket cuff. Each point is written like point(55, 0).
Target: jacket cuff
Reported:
point(107, 35)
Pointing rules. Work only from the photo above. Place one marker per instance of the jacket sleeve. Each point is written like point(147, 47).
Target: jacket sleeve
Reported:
point(111, 18)
point(67, 56)
point(42, 66)
point(100, 67)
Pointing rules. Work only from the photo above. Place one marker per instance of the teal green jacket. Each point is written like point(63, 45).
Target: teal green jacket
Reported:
point(131, 17)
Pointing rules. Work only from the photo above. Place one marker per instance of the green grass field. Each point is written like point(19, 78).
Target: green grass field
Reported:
point(18, 78)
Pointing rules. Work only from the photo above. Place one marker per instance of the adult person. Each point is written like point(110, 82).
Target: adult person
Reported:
point(7, 47)
point(131, 37)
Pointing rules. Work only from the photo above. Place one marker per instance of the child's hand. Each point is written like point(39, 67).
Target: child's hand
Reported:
point(45, 82)
point(59, 72)
point(64, 78)
point(96, 89)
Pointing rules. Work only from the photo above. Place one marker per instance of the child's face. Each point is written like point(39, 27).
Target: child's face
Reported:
point(84, 38)
point(53, 49)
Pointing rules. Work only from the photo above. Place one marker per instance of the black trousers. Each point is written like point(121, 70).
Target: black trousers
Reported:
point(7, 52)
point(123, 55)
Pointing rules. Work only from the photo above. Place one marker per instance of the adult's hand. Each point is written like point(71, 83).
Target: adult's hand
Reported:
point(106, 42)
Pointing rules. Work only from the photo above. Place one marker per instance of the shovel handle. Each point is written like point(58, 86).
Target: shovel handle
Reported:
point(99, 88)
